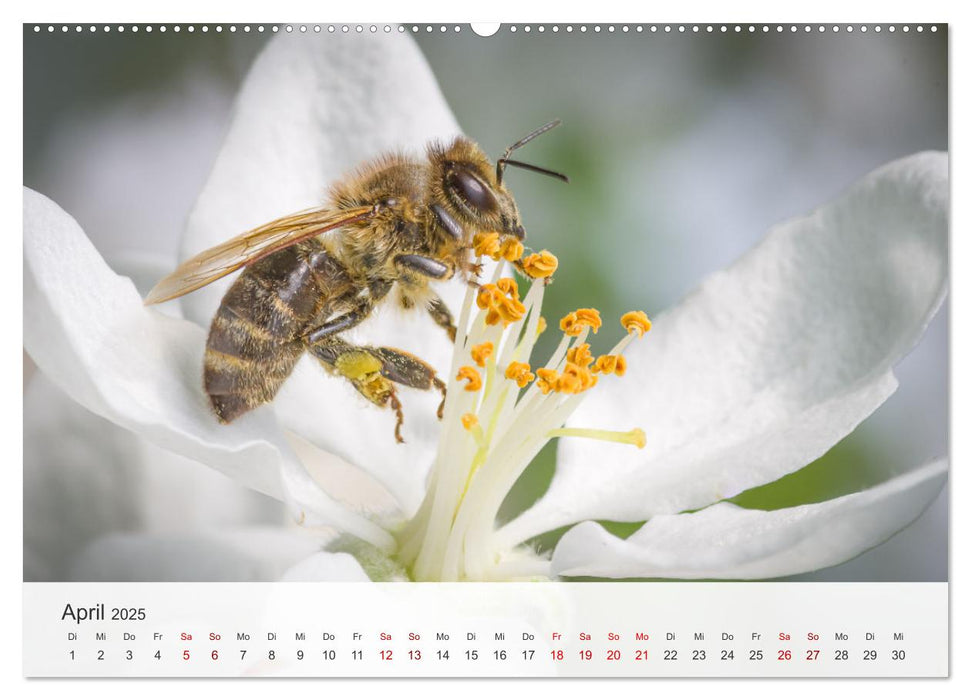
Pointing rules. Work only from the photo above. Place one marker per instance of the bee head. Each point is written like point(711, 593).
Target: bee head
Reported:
point(470, 186)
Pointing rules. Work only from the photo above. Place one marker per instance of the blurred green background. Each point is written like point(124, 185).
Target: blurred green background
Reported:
point(682, 149)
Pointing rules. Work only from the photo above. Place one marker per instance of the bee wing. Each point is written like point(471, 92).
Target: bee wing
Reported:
point(209, 265)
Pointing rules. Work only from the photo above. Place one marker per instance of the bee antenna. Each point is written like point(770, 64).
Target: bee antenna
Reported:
point(501, 163)
point(534, 168)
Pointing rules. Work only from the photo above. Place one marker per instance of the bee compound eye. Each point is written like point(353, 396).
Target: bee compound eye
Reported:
point(475, 193)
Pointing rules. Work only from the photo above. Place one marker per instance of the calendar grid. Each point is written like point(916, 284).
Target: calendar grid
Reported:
point(540, 629)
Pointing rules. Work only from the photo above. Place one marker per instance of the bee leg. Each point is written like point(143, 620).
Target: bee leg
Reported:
point(363, 368)
point(404, 368)
point(442, 316)
point(440, 385)
point(396, 407)
point(472, 271)
point(339, 324)
point(448, 222)
point(425, 266)
point(374, 371)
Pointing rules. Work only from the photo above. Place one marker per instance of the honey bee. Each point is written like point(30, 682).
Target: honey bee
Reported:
point(395, 224)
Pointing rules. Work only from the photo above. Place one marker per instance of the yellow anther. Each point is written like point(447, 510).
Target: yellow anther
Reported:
point(590, 317)
point(541, 264)
point(575, 379)
point(505, 310)
point(486, 244)
point(502, 301)
point(481, 352)
point(569, 324)
point(493, 317)
point(567, 384)
point(586, 377)
point(547, 380)
point(580, 355)
point(511, 249)
point(519, 372)
point(611, 364)
point(540, 326)
point(471, 423)
point(512, 310)
point(575, 321)
point(488, 296)
point(636, 322)
point(471, 375)
point(509, 287)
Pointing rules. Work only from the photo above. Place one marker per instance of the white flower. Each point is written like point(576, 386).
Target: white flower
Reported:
point(756, 374)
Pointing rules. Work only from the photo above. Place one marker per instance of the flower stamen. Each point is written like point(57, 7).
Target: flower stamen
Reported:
point(486, 244)
point(511, 249)
point(501, 302)
point(574, 322)
point(540, 265)
point(580, 355)
point(481, 352)
point(611, 364)
point(489, 245)
point(508, 286)
point(471, 375)
point(575, 379)
point(503, 426)
point(547, 379)
point(520, 373)
point(636, 322)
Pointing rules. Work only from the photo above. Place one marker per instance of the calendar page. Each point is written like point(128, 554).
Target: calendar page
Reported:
point(513, 350)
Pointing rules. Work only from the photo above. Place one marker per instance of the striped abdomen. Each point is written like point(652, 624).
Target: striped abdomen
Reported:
point(255, 338)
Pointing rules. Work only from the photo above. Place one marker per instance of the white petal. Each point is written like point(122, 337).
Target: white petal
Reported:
point(770, 362)
point(87, 330)
point(728, 542)
point(263, 554)
point(311, 110)
point(85, 477)
point(144, 270)
point(326, 566)
point(330, 413)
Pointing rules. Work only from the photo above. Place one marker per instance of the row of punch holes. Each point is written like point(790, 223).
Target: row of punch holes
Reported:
point(488, 31)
